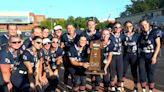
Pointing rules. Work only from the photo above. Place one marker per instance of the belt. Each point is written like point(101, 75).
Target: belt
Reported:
point(22, 72)
point(116, 53)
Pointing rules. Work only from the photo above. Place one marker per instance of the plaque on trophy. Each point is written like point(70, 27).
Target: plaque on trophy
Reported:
point(95, 58)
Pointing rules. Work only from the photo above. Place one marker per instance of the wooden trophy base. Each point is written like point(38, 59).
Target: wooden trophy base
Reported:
point(95, 72)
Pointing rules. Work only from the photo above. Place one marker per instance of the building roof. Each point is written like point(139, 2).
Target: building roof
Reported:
point(14, 13)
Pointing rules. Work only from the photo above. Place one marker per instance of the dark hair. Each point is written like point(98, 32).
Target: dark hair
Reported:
point(117, 22)
point(44, 27)
point(36, 37)
point(36, 27)
point(80, 37)
point(110, 25)
point(15, 36)
point(91, 19)
point(70, 24)
point(143, 20)
point(128, 21)
point(105, 29)
point(55, 36)
point(11, 25)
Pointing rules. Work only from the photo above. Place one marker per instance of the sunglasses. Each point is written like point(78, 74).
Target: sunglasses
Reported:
point(18, 42)
point(38, 42)
point(47, 43)
point(117, 27)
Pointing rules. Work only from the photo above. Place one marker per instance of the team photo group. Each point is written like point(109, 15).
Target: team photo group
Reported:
point(47, 58)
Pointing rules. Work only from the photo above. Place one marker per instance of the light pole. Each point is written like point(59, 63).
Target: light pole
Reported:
point(108, 16)
point(51, 23)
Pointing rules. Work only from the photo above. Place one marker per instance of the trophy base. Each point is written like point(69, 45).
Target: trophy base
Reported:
point(94, 72)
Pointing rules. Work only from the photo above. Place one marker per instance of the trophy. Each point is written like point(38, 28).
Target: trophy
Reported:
point(95, 58)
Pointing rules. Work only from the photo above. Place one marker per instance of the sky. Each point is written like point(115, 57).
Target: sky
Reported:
point(102, 9)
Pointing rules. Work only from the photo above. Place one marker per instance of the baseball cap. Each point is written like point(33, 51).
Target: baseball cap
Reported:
point(58, 27)
point(46, 40)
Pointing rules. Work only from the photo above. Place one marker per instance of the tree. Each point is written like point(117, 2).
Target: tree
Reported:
point(92, 18)
point(50, 22)
point(46, 23)
point(101, 25)
point(138, 6)
point(70, 20)
point(80, 23)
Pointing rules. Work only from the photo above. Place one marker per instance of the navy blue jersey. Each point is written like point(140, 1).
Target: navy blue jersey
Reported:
point(45, 54)
point(10, 57)
point(79, 56)
point(107, 49)
point(130, 42)
point(50, 36)
point(111, 37)
point(26, 44)
point(95, 36)
point(4, 40)
point(54, 55)
point(117, 43)
point(28, 56)
point(68, 41)
point(147, 40)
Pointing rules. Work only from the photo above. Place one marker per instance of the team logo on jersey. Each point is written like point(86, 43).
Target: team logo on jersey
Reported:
point(69, 53)
point(24, 57)
point(63, 53)
point(41, 54)
point(23, 47)
point(107, 49)
point(87, 42)
point(53, 59)
point(7, 60)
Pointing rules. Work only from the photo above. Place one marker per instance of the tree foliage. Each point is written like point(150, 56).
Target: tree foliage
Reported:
point(101, 25)
point(78, 22)
point(46, 23)
point(138, 6)
point(70, 20)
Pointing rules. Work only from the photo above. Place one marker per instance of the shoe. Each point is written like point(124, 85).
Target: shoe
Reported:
point(134, 90)
point(150, 90)
point(94, 91)
point(122, 89)
point(113, 89)
point(83, 91)
point(119, 89)
point(143, 90)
